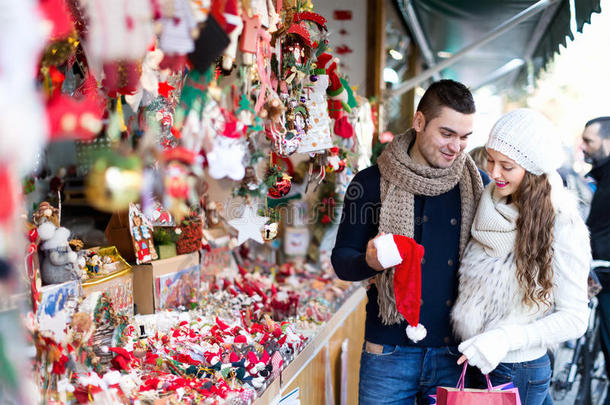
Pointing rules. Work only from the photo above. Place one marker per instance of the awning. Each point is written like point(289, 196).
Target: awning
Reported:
point(481, 42)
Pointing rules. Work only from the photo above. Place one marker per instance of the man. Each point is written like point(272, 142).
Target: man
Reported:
point(426, 187)
point(596, 148)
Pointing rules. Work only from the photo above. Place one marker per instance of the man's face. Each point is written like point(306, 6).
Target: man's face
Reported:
point(440, 140)
point(593, 145)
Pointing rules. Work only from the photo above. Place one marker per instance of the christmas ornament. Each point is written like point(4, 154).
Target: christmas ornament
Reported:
point(232, 14)
point(71, 118)
point(62, 40)
point(249, 225)
point(45, 213)
point(212, 40)
point(178, 182)
point(334, 163)
point(271, 228)
point(318, 135)
point(149, 80)
point(119, 30)
point(113, 182)
point(278, 182)
point(404, 253)
point(226, 158)
point(270, 231)
point(250, 185)
point(176, 39)
point(140, 229)
point(59, 261)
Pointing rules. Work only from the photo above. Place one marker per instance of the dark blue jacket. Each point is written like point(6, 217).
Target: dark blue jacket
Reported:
point(437, 228)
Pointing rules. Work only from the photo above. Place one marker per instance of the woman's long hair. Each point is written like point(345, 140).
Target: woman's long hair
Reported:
point(534, 240)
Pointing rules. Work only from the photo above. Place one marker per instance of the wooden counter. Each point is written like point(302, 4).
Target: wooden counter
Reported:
point(311, 372)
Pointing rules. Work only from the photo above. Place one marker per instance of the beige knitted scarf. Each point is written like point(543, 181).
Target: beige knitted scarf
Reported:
point(401, 179)
point(495, 223)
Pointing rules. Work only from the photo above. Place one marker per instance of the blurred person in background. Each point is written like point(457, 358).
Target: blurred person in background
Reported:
point(596, 149)
point(479, 155)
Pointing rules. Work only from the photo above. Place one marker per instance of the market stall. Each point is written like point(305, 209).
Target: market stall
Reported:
point(177, 175)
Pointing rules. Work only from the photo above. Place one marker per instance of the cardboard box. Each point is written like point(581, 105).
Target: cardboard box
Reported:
point(118, 286)
point(117, 234)
point(218, 262)
point(167, 283)
point(166, 251)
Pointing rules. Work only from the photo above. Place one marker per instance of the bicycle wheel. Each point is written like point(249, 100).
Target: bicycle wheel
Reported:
point(599, 379)
point(589, 374)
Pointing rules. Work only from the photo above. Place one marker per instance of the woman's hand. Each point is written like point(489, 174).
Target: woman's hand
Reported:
point(486, 350)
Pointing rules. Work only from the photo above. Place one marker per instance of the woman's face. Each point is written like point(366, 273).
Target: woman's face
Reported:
point(505, 172)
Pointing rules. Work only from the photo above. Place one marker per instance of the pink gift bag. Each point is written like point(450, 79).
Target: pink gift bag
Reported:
point(505, 394)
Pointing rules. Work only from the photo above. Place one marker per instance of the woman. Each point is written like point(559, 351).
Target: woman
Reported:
point(523, 277)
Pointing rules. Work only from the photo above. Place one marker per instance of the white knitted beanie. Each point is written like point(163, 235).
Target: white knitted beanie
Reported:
point(529, 138)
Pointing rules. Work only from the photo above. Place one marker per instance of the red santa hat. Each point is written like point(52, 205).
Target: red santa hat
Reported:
point(406, 255)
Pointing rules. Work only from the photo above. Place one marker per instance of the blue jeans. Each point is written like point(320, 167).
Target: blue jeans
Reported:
point(532, 378)
point(402, 373)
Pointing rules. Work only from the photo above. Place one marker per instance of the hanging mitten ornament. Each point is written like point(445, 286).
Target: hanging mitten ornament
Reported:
point(406, 255)
point(343, 128)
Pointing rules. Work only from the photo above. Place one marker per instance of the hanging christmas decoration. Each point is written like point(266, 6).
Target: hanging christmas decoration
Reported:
point(249, 225)
point(271, 228)
point(278, 182)
point(335, 162)
point(178, 183)
point(114, 181)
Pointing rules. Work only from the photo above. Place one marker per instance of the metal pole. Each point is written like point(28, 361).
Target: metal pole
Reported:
point(490, 36)
point(505, 69)
point(418, 33)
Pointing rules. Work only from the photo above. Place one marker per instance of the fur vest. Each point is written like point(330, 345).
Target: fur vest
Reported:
point(489, 294)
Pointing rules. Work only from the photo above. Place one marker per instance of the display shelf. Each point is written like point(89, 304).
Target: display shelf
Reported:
point(308, 370)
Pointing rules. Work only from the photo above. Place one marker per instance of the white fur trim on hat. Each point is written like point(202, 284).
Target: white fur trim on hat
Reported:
point(387, 250)
point(529, 138)
point(416, 333)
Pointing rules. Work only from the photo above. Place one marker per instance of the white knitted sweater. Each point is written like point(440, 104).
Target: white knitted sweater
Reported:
point(490, 297)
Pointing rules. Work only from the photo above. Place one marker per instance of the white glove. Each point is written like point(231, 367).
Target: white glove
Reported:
point(486, 350)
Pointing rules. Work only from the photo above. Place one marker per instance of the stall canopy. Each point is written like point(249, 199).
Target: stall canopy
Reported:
point(489, 42)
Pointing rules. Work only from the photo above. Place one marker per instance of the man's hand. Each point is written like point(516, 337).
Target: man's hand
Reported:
point(371, 257)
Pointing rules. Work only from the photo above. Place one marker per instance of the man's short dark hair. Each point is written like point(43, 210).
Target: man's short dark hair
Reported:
point(604, 126)
point(446, 93)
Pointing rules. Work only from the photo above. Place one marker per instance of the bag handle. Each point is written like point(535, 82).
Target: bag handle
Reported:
point(460, 383)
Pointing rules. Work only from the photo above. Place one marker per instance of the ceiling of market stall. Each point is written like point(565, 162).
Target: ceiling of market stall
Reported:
point(455, 37)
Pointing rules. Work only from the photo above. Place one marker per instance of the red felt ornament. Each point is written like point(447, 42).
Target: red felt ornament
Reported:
point(71, 118)
point(58, 15)
point(310, 16)
point(248, 38)
point(165, 89)
point(281, 187)
point(301, 32)
point(343, 127)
